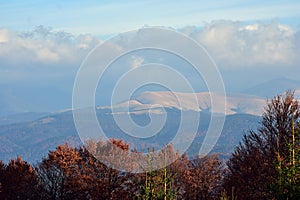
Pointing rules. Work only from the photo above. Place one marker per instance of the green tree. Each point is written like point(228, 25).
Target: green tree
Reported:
point(159, 184)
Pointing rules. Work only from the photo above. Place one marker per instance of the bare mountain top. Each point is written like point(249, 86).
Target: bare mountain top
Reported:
point(154, 101)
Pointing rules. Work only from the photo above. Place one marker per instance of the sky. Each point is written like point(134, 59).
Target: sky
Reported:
point(43, 43)
point(109, 17)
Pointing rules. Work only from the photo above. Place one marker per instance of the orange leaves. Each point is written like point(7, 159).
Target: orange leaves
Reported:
point(120, 143)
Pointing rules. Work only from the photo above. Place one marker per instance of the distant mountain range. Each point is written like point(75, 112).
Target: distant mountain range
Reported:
point(34, 136)
point(274, 87)
point(16, 98)
point(24, 98)
point(21, 117)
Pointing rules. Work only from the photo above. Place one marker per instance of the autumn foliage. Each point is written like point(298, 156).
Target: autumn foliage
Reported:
point(265, 165)
point(18, 180)
point(74, 173)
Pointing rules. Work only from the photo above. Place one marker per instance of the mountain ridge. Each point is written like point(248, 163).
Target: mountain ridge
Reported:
point(32, 140)
point(199, 102)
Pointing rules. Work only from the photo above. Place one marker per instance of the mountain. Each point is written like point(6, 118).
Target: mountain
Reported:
point(273, 87)
point(41, 97)
point(32, 140)
point(21, 117)
point(235, 103)
point(15, 98)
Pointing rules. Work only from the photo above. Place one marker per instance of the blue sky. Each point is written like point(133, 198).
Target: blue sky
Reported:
point(109, 17)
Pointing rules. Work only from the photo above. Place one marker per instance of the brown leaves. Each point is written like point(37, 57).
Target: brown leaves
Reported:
point(74, 173)
point(253, 167)
point(18, 180)
point(70, 173)
point(203, 178)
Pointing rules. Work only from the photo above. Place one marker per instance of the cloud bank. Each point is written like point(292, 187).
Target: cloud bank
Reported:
point(41, 49)
point(230, 43)
point(45, 59)
point(238, 45)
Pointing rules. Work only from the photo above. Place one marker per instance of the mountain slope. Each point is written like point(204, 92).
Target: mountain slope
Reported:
point(32, 140)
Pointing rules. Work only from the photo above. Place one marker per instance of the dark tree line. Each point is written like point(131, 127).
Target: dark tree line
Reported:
point(265, 165)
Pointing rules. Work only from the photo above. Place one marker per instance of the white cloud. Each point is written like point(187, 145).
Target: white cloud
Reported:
point(43, 46)
point(250, 27)
point(234, 44)
point(45, 54)
point(3, 35)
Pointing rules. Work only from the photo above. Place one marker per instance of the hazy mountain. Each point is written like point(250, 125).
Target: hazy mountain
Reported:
point(273, 87)
point(21, 117)
point(16, 98)
point(34, 139)
point(40, 97)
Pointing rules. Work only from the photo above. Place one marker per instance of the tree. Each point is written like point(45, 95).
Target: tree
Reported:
point(18, 180)
point(72, 173)
point(1, 174)
point(58, 173)
point(287, 185)
point(115, 184)
point(203, 178)
point(257, 168)
point(250, 171)
point(159, 184)
point(180, 169)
